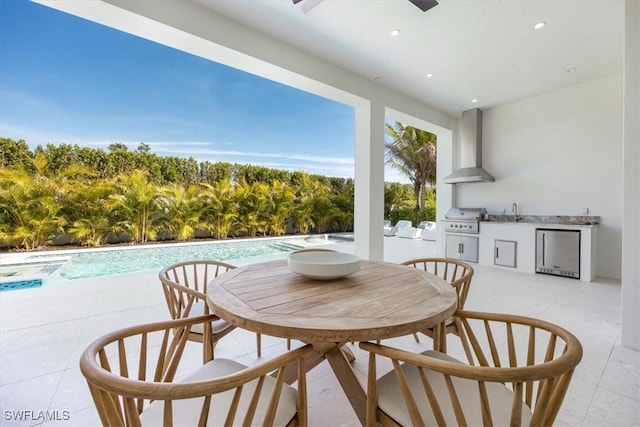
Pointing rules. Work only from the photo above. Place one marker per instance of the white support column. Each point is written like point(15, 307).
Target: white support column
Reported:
point(631, 179)
point(369, 182)
point(444, 192)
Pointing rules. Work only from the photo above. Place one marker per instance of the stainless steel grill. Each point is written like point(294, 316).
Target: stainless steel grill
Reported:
point(463, 220)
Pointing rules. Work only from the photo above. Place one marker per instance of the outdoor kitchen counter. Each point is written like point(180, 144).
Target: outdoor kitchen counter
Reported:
point(524, 234)
point(556, 225)
point(547, 220)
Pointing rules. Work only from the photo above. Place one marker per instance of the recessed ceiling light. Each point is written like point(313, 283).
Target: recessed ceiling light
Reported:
point(474, 100)
point(571, 70)
point(429, 75)
point(539, 25)
point(395, 32)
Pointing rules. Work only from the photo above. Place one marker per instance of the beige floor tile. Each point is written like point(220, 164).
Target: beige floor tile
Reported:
point(31, 363)
point(621, 375)
point(612, 409)
point(21, 402)
point(44, 331)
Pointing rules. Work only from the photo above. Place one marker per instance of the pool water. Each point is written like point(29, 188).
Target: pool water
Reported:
point(20, 284)
point(95, 263)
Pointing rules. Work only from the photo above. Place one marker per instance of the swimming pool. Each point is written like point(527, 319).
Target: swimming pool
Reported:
point(94, 263)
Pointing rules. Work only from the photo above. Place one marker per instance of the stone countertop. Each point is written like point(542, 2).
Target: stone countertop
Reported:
point(546, 219)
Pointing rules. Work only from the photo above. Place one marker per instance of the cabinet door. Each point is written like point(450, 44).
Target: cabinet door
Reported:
point(453, 246)
point(504, 253)
point(469, 248)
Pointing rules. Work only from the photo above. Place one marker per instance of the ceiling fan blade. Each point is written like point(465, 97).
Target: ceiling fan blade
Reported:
point(424, 5)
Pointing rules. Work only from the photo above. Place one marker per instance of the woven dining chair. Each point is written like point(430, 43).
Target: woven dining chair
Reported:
point(458, 274)
point(148, 375)
point(517, 373)
point(185, 287)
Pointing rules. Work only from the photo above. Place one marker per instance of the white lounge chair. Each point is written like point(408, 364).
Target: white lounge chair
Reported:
point(403, 223)
point(410, 233)
point(429, 231)
point(387, 227)
point(396, 228)
point(423, 225)
point(393, 231)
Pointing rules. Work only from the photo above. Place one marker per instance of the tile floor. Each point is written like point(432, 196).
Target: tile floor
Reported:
point(44, 330)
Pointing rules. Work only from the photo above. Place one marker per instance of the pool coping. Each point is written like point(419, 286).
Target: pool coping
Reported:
point(150, 245)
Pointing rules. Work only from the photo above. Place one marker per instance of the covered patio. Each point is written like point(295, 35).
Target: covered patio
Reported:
point(599, 125)
point(44, 331)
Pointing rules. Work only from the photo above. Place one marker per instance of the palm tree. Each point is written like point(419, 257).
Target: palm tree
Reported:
point(281, 198)
point(30, 208)
point(304, 204)
point(88, 212)
point(324, 211)
point(252, 206)
point(182, 207)
point(413, 152)
point(219, 210)
point(136, 205)
point(342, 199)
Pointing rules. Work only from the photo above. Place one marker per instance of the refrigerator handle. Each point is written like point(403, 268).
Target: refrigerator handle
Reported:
point(544, 244)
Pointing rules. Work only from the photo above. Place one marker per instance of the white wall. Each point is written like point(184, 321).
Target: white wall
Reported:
point(631, 155)
point(555, 154)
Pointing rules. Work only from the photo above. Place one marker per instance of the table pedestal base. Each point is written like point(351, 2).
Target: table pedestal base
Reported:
point(339, 358)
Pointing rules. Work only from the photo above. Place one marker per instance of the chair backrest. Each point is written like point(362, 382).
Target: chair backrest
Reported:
point(456, 272)
point(393, 231)
point(185, 284)
point(146, 375)
point(403, 223)
point(427, 225)
point(518, 372)
point(410, 232)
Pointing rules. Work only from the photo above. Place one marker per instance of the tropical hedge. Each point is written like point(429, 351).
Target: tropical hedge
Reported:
point(93, 197)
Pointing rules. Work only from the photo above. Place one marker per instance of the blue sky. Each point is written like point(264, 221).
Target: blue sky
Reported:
point(67, 80)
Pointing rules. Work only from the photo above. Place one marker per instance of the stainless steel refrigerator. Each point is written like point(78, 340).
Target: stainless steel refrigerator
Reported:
point(558, 252)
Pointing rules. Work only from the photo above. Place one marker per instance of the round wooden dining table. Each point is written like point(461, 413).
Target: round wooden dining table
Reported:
point(381, 300)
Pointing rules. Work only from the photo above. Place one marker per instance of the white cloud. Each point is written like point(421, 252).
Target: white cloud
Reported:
point(32, 136)
point(341, 167)
point(255, 154)
point(392, 175)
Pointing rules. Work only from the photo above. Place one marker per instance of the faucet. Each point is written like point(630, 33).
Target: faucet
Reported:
point(514, 209)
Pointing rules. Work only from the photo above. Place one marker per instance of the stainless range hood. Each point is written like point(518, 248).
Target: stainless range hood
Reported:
point(470, 151)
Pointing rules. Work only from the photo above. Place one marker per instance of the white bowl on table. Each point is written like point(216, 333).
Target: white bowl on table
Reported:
point(323, 265)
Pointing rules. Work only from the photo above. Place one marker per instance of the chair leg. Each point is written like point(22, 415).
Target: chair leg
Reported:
point(210, 353)
point(440, 338)
point(259, 345)
point(288, 343)
point(415, 336)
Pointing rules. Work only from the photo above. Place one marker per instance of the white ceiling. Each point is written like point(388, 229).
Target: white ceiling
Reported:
point(476, 49)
